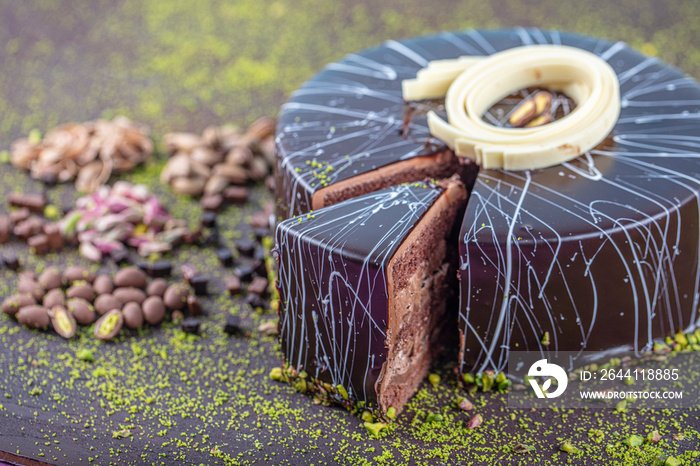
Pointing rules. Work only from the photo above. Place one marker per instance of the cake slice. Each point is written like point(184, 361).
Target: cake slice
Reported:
point(364, 288)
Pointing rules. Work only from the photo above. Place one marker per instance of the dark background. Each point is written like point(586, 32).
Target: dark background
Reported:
point(182, 65)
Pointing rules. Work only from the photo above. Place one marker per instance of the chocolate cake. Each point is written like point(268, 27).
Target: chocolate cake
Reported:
point(600, 253)
point(365, 286)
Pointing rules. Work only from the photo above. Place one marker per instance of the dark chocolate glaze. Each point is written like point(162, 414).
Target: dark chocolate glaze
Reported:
point(601, 252)
point(333, 284)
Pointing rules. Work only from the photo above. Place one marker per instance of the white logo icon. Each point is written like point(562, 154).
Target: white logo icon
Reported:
point(542, 368)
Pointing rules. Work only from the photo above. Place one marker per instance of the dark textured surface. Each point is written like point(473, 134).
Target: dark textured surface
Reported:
point(180, 65)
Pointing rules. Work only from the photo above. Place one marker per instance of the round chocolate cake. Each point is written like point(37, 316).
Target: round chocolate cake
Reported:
point(596, 254)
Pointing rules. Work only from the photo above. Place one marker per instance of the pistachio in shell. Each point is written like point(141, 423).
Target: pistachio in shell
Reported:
point(103, 284)
point(133, 315)
point(53, 298)
point(131, 277)
point(81, 290)
point(50, 278)
point(105, 303)
point(82, 310)
point(109, 325)
point(12, 304)
point(129, 295)
point(76, 273)
point(153, 310)
point(34, 316)
point(63, 322)
point(157, 287)
point(28, 285)
point(175, 296)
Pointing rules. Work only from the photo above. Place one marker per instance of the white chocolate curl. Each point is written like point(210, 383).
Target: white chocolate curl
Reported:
point(472, 85)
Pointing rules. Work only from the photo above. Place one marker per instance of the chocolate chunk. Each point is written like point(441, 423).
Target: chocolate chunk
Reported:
point(225, 256)
point(208, 219)
point(5, 229)
point(233, 325)
point(214, 239)
point(255, 301)
point(233, 284)
point(245, 247)
point(258, 286)
point(199, 284)
point(244, 272)
point(193, 236)
point(211, 202)
point(34, 202)
point(236, 194)
point(11, 260)
point(270, 183)
point(39, 244)
point(194, 306)
point(53, 234)
point(190, 325)
point(260, 268)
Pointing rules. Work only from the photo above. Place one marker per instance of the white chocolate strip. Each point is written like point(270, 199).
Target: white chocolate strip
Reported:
point(482, 82)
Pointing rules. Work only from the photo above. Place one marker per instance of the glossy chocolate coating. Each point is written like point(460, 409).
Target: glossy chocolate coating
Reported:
point(333, 283)
point(601, 252)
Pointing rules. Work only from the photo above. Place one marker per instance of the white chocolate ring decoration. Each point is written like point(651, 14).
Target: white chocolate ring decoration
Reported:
point(475, 85)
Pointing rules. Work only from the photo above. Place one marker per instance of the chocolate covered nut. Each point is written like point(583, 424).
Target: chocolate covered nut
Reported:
point(157, 287)
point(258, 286)
point(175, 297)
point(75, 273)
point(233, 284)
point(54, 237)
point(81, 290)
point(130, 277)
point(34, 202)
point(5, 229)
point(105, 303)
point(129, 295)
point(14, 303)
point(82, 310)
point(50, 278)
point(153, 310)
point(54, 298)
point(63, 322)
point(27, 285)
point(103, 284)
point(33, 316)
point(39, 244)
point(212, 202)
point(133, 315)
point(109, 325)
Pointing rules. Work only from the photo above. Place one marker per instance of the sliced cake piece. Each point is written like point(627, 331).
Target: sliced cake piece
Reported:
point(364, 288)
